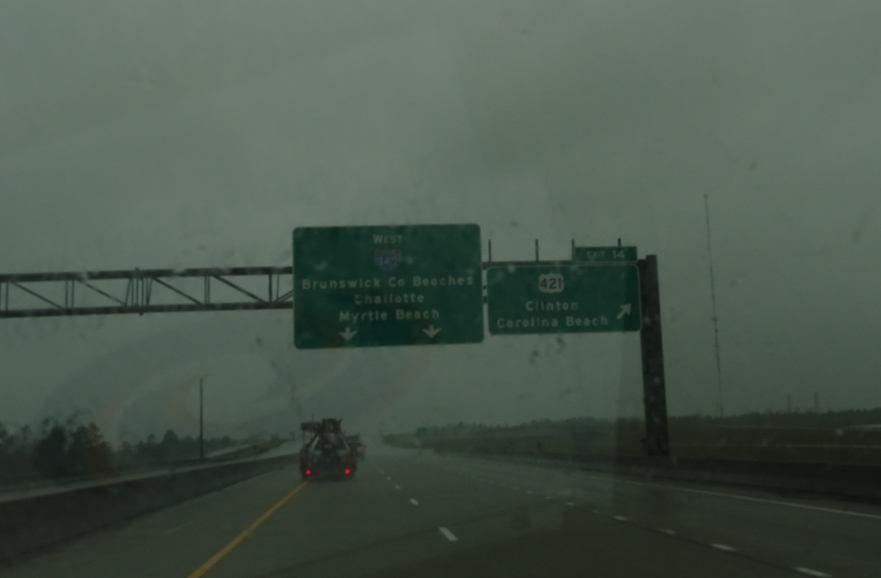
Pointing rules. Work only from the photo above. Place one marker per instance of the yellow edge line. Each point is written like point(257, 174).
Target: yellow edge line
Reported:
point(201, 570)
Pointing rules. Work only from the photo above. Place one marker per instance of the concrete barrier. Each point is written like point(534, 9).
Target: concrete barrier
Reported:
point(31, 523)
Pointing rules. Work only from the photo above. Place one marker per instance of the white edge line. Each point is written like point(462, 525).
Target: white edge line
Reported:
point(448, 535)
point(667, 531)
point(740, 497)
point(723, 547)
point(621, 518)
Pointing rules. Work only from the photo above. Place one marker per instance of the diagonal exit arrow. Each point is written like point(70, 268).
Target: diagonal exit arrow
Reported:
point(431, 331)
point(625, 310)
point(348, 334)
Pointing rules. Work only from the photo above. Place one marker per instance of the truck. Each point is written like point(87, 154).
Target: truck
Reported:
point(326, 452)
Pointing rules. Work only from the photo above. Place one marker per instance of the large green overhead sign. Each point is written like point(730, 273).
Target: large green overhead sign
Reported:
point(577, 298)
point(395, 285)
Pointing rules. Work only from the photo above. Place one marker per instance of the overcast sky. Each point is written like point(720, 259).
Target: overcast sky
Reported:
point(168, 134)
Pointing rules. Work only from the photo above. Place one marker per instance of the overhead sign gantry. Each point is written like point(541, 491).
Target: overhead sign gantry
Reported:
point(392, 285)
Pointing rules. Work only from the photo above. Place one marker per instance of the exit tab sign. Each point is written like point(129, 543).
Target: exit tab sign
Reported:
point(604, 254)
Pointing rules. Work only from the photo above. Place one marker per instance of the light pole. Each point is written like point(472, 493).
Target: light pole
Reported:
point(201, 424)
point(715, 317)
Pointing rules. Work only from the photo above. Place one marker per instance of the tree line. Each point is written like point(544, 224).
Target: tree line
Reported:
point(807, 420)
point(72, 449)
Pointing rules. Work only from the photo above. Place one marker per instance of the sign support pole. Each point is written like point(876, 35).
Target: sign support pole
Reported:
point(656, 441)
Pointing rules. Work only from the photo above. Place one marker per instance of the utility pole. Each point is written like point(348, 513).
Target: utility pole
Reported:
point(715, 316)
point(201, 424)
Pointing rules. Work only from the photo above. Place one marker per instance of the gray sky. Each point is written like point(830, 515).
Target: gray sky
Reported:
point(164, 134)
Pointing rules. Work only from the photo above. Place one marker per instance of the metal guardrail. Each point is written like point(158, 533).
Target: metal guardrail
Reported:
point(852, 481)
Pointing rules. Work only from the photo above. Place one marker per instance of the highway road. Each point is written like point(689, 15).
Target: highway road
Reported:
point(411, 513)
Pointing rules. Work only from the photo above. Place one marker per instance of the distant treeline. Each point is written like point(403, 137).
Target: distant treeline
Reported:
point(170, 449)
point(71, 449)
point(820, 420)
point(463, 429)
point(808, 419)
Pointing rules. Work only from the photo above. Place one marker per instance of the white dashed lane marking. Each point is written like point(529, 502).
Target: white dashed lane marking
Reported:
point(173, 530)
point(414, 502)
point(670, 532)
point(397, 487)
point(812, 572)
point(448, 535)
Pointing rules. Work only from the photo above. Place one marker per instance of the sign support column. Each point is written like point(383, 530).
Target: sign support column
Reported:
point(656, 441)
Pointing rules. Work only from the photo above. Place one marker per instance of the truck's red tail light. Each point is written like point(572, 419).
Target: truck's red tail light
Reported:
point(348, 471)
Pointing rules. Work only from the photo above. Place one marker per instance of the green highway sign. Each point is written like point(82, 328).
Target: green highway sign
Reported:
point(604, 254)
point(576, 298)
point(395, 285)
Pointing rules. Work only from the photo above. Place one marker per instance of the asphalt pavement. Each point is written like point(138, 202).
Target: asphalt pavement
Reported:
point(410, 513)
